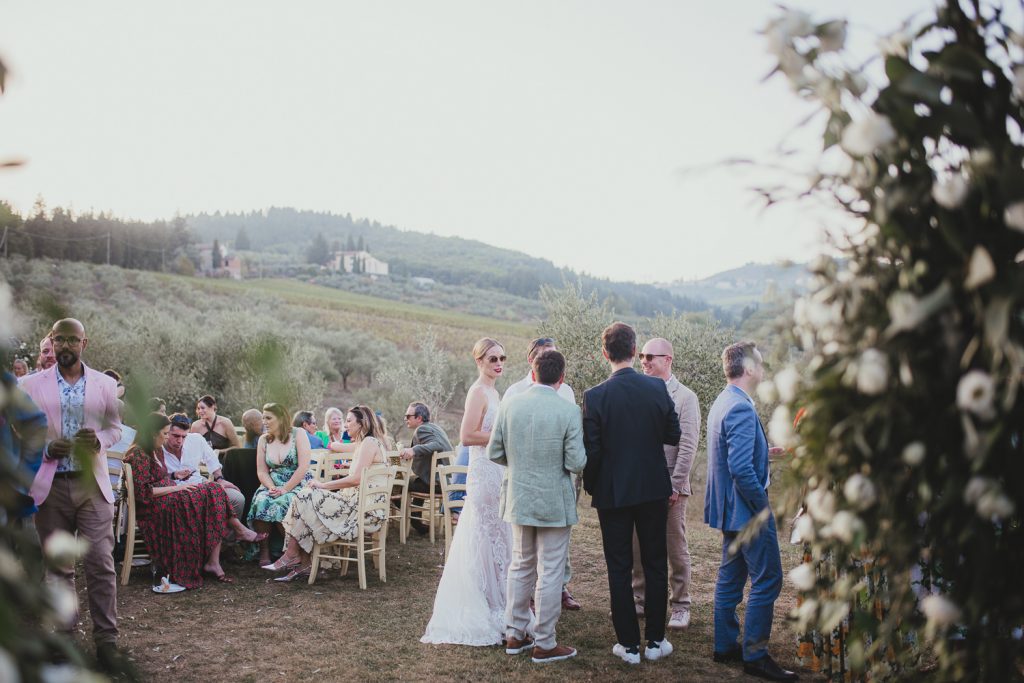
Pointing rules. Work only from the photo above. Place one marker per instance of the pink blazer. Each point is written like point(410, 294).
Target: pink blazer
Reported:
point(101, 414)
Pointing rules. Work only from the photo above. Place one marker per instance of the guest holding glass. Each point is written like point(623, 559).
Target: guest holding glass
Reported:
point(185, 525)
point(325, 512)
point(282, 464)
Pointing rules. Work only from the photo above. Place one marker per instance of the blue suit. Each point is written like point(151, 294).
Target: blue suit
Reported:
point(736, 493)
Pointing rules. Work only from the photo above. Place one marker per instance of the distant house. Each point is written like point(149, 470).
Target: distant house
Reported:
point(424, 282)
point(357, 262)
point(231, 264)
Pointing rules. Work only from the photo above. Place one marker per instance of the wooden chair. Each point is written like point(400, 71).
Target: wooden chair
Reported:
point(381, 477)
point(115, 470)
point(448, 486)
point(133, 535)
point(400, 501)
point(429, 503)
point(330, 466)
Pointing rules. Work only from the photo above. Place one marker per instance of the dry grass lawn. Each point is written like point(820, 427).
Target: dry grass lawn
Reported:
point(259, 631)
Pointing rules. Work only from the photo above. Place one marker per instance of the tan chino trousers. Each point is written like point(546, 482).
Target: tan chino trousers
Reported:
point(678, 560)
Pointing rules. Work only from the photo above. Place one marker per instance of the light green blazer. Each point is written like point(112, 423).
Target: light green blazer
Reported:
point(539, 437)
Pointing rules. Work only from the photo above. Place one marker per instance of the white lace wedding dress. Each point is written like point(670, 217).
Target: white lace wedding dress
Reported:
point(469, 608)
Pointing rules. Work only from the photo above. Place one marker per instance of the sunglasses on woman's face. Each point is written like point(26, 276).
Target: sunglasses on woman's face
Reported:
point(495, 359)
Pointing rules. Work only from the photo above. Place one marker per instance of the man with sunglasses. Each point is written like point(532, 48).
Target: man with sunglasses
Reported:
point(536, 348)
point(656, 361)
point(184, 452)
point(72, 487)
point(427, 438)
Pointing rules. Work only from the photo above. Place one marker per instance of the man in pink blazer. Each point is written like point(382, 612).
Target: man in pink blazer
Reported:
point(72, 487)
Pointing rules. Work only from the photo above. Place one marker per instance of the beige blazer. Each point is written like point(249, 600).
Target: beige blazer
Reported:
point(679, 458)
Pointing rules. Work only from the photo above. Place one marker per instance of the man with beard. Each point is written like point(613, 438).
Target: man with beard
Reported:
point(72, 488)
point(46, 359)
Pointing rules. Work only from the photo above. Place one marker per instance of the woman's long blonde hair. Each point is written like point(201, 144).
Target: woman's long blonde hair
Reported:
point(328, 414)
point(484, 345)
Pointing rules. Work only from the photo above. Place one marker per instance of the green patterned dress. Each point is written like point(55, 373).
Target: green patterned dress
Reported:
point(266, 508)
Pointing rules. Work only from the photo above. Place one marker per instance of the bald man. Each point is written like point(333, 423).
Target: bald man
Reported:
point(72, 487)
point(252, 422)
point(656, 361)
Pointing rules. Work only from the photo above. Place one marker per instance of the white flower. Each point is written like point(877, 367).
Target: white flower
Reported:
point(995, 505)
point(62, 548)
point(806, 613)
point(895, 45)
point(63, 603)
point(863, 136)
point(844, 526)
point(977, 487)
point(803, 530)
point(821, 504)
point(10, 567)
point(766, 392)
point(1018, 82)
point(940, 610)
point(872, 372)
point(832, 614)
point(803, 577)
point(1013, 216)
point(950, 192)
point(832, 36)
point(8, 667)
point(859, 491)
point(787, 381)
point(10, 319)
point(913, 453)
point(976, 393)
point(980, 269)
point(1016, 38)
point(780, 428)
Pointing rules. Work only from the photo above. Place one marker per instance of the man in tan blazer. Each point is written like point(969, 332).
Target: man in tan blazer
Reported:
point(656, 361)
point(539, 437)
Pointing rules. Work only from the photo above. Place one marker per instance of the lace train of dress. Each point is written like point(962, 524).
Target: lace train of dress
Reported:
point(469, 608)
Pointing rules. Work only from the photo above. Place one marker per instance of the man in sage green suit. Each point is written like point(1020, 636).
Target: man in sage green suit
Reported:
point(539, 437)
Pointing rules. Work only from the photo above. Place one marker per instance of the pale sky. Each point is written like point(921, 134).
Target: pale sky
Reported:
point(555, 128)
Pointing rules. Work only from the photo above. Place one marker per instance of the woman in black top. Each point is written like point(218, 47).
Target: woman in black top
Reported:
point(218, 431)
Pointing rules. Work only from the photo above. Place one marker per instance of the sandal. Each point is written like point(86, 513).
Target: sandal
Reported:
point(222, 577)
point(297, 573)
point(280, 565)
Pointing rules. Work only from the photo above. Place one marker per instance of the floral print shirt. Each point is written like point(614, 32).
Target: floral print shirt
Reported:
point(72, 417)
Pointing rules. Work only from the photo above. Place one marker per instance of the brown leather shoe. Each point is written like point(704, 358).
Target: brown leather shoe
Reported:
point(555, 654)
point(514, 646)
point(569, 602)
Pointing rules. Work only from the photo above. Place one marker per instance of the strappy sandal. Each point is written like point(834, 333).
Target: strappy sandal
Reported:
point(280, 565)
point(297, 573)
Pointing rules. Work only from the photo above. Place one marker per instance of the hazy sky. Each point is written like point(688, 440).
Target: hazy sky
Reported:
point(552, 127)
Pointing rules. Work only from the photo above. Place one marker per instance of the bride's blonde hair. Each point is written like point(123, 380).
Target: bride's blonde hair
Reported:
point(484, 345)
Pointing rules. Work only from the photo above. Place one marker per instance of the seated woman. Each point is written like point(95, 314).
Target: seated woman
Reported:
point(335, 436)
point(282, 463)
point(325, 512)
point(183, 525)
point(218, 431)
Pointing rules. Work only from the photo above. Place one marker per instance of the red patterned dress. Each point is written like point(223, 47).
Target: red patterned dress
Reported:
point(180, 528)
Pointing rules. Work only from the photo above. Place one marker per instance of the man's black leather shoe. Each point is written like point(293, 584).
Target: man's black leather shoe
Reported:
point(733, 655)
point(765, 667)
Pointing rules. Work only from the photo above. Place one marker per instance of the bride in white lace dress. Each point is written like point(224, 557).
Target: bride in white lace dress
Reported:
point(469, 608)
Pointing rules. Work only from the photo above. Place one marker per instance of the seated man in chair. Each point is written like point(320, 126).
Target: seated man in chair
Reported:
point(427, 439)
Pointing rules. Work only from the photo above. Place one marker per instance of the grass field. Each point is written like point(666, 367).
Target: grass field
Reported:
point(258, 631)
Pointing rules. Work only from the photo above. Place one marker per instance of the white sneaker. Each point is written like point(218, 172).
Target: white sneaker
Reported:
point(680, 619)
point(660, 651)
point(626, 656)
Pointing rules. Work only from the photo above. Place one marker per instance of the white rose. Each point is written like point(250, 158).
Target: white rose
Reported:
point(913, 453)
point(766, 392)
point(844, 526)
point(976, 393)
point(859, 491)
point(821, 504)
point(832, 36)
point(780, 428)
point(8, 667)
point(872, 372)
point(803, 530)
point(63, 602)
point(980, 269)
point(803, 577)
point(1013, 216)
point(950, 193)
point(787, 382)
point(940, 610)
point(995, 505)
point(62, 548)
point(864, 136)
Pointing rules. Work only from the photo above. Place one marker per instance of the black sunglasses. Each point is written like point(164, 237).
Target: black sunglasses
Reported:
point(495, 359)
point(651, 356)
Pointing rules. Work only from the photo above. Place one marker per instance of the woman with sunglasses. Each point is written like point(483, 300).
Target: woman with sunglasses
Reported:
point(469, 608)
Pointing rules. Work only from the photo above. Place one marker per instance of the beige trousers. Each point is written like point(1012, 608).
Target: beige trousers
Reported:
point(538, 563)
point(678, 560)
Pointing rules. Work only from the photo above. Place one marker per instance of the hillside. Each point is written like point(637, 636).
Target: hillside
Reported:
point(747, 285)
point(448, 260)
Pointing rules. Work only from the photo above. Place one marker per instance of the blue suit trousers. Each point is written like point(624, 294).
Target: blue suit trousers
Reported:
point(760, 561)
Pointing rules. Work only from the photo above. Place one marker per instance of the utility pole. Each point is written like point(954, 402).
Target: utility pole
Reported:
point(4, 240)
point(108, 248)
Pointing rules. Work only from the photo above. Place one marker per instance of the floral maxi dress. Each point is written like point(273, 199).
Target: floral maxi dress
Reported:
point(266, 508)
point(182, 528)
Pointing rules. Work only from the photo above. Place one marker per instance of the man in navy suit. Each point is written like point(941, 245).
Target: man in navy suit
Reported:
point(738, 478)
point(627, 421)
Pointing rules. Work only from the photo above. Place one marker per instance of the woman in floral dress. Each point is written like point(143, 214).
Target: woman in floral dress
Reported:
point(183, 525)
point(327, 512)
point(282, 464)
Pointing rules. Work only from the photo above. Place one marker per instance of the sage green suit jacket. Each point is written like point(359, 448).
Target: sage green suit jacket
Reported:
point(538, 436)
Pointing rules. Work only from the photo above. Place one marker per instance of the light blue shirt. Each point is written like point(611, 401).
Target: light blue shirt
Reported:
point(72, 416)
